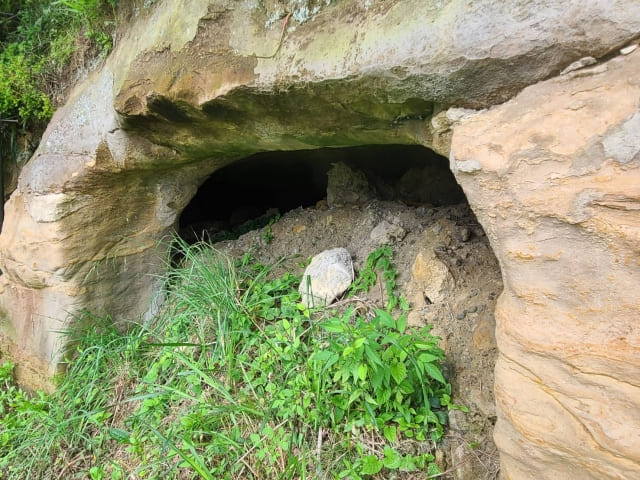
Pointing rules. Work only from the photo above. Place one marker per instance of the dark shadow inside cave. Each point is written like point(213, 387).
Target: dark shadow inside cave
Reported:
point(250, 192)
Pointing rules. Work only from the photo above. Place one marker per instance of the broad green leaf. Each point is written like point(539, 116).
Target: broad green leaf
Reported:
point(362, 372)
point(377, 377)
point(119, 435)
point(424, 346)
point(434, 372)
point(323, 356)
point(385, 319)
point(371, 465)
point(402, 323)
point(390, 433)
point(359, 342)
point(372, 355)
point(354, 396)
point(370, 400)
point(398, 372)
point(333, 325)
point(392, 459)
point(433, 469)
point(427, 358)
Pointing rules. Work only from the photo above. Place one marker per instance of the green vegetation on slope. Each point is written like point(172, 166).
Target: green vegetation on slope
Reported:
point(38, 40)
point(235, 379)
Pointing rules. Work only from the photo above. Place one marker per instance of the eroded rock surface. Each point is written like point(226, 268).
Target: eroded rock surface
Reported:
point(197, 84)
point(556, 184)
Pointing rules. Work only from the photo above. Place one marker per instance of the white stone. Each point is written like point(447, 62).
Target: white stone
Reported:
point(328, 276)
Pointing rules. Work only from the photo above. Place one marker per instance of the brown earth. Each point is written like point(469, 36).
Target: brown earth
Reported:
point(451, 278)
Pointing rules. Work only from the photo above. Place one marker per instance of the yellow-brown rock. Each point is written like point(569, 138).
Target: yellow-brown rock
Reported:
point(551, 174)
point(554, 177)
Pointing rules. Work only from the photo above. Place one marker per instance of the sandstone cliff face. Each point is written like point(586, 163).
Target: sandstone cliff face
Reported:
point(554, 177)
point(195, 85)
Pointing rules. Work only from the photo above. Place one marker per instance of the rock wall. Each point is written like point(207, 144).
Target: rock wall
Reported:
point(554, 177)
point(197, 84)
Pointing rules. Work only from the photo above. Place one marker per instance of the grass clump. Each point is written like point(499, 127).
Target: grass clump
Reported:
point(235, 379)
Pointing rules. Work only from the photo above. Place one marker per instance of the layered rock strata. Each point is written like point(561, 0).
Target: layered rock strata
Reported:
point(197, 84)
point(554, 177)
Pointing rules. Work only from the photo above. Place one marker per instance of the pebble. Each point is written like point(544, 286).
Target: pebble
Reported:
point(583, 62)
point(473, 309)
point(465, 234)
point(461, 315)
point(627, 50)
point(387, 233)
point(484, 338)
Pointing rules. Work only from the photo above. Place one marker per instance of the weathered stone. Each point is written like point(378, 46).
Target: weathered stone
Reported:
point(431, 276)
point(347, 186)
point(386, 233)
point(484, 337)
point(558, 192)
point(328, 276)
point(552, 176)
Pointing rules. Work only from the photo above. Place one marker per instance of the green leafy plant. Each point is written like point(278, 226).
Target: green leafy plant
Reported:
point(234, 378)
point(38, 39)
point(380, 260)
point(392, 376)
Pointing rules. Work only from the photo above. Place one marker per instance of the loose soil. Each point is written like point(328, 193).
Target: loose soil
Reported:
point(451, 278)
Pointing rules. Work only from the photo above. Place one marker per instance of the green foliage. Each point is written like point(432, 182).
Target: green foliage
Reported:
point(20, 96)
point(380, 260)
point(235, 378)
point(38, 39)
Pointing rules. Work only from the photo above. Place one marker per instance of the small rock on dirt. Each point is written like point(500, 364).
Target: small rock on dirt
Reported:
point(346, 186)
point(386, 233)
point(328, 276)
point(484, 337)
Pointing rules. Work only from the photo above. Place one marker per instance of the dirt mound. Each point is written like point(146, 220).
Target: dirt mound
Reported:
point(450, 277)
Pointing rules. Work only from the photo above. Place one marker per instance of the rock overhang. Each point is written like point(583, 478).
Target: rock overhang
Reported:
point(177, 100)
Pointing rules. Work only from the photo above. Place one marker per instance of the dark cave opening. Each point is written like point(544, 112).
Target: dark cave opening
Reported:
point(250, 192)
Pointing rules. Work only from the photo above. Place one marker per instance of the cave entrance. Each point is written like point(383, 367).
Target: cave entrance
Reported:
point(362, 198)
point(249, 193)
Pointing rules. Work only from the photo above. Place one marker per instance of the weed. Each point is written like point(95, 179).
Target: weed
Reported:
point(267, 235)
point(235, 378)
point(380, 260)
